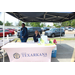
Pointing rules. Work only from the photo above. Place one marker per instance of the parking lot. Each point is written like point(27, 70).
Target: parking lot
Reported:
point(68, 34)
point(64, 51)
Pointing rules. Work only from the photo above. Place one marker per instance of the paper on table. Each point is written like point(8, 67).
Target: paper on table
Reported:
point(45, 38)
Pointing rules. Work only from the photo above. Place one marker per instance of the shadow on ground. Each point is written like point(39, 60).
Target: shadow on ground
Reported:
point(64, 54)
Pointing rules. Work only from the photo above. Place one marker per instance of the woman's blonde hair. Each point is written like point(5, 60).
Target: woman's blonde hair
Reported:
point(37, 32)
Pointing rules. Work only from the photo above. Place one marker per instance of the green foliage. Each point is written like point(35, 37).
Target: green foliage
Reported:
point(27, 24)
point(68, 23)
point(42, 25)
point(56, 25)
point(65, 24)
point(8, 24)
point(48, 26)
point(73, 23)
point(1, 23)
point(19, 23)
point(35, 24)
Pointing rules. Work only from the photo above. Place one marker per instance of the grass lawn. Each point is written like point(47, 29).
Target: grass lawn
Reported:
point(18, 39)
point(62, 39)
point(58, 39)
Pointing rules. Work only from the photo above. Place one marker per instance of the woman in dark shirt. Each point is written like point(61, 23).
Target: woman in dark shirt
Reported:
point(36, 36)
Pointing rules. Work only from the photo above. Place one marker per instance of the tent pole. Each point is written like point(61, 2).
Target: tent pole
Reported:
point(60, 34)
point(3, 31)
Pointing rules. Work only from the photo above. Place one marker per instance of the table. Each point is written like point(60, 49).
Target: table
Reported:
point(5, 42)
point(28, 52)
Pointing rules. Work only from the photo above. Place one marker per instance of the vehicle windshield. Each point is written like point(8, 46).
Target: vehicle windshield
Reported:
point(52, 29)
point(70, 28)
point(28, 28)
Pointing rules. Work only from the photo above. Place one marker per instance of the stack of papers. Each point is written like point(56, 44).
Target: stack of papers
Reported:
point(44, 39)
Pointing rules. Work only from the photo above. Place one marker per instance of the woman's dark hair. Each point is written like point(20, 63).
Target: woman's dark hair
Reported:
point(23, 24)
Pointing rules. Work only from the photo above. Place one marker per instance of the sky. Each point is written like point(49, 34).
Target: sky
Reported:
point(9, 18)
point(15, 20)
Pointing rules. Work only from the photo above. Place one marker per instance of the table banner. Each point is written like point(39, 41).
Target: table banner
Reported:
point(23, 52)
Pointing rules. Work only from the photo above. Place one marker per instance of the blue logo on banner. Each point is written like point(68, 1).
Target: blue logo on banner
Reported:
point(16, 55)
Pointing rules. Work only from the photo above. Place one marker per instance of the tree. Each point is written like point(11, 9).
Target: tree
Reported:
point(73, 23)
point(1, 23)
point(27, 24)
point(42, 25)
point(19, 23)
point(35, 24)
point(56, 25)
point(67, 23)
point(8, 24)
point(48, 26)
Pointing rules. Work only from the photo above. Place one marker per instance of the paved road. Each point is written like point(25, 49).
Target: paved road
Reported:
point(67, 36)
point(64, 51)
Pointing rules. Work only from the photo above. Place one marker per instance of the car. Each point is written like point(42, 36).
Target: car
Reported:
point(31, 31)
point(10, 29)
point(55, 32)
point(7, 32)
point(1, 28)
point(15, 29)
point(45, 28)
point(19, 28)
point(74, 28)
point(63, 28)
point(66, 28)
point(70, 29)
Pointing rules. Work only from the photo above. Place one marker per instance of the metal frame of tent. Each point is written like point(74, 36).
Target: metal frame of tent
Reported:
point(46, 17)
point(43, 16)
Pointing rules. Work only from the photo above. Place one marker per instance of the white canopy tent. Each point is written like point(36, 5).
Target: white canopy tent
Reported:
point(3, 34)
point(55, 18)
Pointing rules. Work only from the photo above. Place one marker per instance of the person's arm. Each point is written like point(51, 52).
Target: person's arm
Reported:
point(34, 38)
point(39, 36)
point(24, 32)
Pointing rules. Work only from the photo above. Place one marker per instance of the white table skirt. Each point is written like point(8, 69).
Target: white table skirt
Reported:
point(28, 52)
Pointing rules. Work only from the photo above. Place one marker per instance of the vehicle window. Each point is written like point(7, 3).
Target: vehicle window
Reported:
point(58, 30)
point(6, 31)
point(52, 29)
point(1, 30)
point(61, 29)
point(30, 29)
point(37, 28)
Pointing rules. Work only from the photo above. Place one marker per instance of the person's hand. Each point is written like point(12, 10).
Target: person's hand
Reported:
point(22, 36)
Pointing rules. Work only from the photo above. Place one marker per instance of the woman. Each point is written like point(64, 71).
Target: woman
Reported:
point(36, 36)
